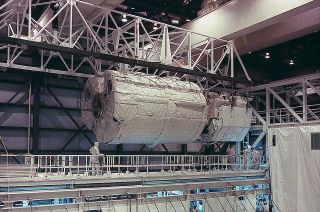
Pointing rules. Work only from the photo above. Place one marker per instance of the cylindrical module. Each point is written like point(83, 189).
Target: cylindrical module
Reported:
point(136, 108)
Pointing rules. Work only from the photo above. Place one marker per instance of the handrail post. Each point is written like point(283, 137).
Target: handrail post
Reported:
point(78, 165)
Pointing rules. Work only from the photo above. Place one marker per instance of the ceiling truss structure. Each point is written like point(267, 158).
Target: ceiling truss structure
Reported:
point(87, 47)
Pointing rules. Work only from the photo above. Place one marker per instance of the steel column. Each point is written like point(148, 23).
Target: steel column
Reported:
point(304, 101)
point(36, 86)
point(267, 109)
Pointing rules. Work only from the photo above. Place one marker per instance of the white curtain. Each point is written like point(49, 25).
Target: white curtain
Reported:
point(295, 169)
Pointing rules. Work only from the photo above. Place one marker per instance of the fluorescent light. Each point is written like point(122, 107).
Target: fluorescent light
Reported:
point(124, 18)
point(155, 26)
point(267, 56)
point(309, 91)
point(174, 21)
point(291, 62)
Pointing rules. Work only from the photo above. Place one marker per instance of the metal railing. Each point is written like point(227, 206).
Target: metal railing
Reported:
point(283, 115)
point(37, 165)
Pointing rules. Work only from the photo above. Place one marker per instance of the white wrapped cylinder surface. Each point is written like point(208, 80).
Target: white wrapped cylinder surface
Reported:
point(135, 108)
point(230, 119)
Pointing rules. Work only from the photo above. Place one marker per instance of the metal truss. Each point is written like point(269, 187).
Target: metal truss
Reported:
point(286, 102)
point(133, 43)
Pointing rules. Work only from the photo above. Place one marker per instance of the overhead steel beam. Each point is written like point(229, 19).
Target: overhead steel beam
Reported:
point(11, 76)
point(286, 105)
point(308, 109)
point(316, 90)
point(42, 106)
point(7, 128)
point(259, 139)
point(263, 122)
point(279, 83)
point(117, 59)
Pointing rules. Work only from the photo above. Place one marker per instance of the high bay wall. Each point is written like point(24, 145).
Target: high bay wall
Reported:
point(59, 117)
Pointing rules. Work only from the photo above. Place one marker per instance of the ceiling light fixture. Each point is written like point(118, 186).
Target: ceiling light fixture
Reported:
point(249, 52)
point(175, 21)
point(124, 18)
point(155, 26)
point(267, 56)
point(291, 62)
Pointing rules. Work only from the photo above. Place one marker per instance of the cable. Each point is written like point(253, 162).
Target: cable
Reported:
point(220, 202)
point(244, 207)
point(172, 205)
point(147, 206)
point(182, 204)
point(113, 207)
point(229, 203)
point(155, 204)
point(205, 198)
point(249, 201)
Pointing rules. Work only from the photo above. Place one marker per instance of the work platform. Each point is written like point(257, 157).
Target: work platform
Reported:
point(65, 182)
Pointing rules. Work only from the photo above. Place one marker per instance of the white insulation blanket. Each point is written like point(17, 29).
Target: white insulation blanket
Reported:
point(139, 108)
point(295, 169)
point(232, 124)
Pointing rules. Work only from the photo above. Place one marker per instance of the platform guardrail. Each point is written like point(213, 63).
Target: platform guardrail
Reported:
point(33, 165)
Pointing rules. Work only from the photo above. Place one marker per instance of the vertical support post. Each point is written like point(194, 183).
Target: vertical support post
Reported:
point(29, 19)
point(274, 111)
point(29, 114)
point(304, 101)
point(18, 19)
point(232, 60)
point(119, 152)
point(36, 80)
point(106, 31)
point(137, 37)
point(267, 108)
point(288, 97)
point(212, 57)
point(257, 106)
point(267, 121)
point(70, 23)
point(189, 50)
point(184, 149)
point(237, 161)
